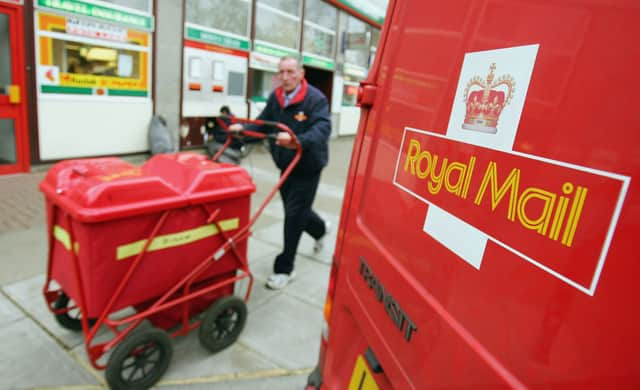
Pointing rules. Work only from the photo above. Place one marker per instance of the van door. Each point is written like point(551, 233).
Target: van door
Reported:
point(14, 137)
point(488, 236)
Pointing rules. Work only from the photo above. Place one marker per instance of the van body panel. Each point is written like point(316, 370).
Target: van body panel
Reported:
point(520, 271)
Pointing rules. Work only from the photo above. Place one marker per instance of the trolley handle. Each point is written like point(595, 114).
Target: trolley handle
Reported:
point(255, 134)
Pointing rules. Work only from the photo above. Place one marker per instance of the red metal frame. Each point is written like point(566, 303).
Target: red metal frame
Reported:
point(17, 112)
point(168, 299)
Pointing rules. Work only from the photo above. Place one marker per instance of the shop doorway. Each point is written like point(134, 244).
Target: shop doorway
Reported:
point(321, 79)
point(14, 138)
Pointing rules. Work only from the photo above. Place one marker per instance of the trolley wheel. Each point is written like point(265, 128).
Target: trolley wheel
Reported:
point(72, 319)
point(222, 323)
point(140, 360)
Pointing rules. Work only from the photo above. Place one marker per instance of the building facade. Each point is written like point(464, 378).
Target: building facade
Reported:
point(83, 78)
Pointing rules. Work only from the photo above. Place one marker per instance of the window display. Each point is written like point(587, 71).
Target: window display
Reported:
point(87, 57)
point(278, 22)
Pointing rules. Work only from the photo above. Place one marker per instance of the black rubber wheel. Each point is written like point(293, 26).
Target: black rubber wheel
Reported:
point(72, 319)
point(222, 323)
point(140, 360)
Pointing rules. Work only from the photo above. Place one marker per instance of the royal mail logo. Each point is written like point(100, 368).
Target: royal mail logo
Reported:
point(485, 100)
point(559, 216)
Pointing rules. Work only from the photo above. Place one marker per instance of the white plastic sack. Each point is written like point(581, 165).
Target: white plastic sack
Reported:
point(160, 140)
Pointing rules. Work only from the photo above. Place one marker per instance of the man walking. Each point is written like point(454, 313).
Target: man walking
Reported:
point(305, 110)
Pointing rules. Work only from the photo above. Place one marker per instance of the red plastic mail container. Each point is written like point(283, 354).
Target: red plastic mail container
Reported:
point(106, 209)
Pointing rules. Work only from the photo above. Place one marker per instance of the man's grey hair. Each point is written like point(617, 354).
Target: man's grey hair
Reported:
point(297, 59)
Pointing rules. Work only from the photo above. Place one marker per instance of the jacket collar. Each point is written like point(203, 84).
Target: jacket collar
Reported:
point(302, 93)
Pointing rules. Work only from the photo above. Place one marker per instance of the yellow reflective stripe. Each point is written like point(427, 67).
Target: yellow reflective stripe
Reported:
point(175, 239)
point(63, 236)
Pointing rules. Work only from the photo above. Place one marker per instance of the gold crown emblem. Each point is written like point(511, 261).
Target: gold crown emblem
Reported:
point(485, 103)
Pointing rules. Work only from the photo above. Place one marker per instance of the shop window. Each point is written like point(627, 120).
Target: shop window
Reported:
point(278, 22)
point(7, 142)
point(319, 42)
point(319, 28)
point(288, 6)
point(356, 42)
point(263, 83)
point(140, 5)
point(195, 67)
point(231, 16)
point(218, 71)
point(236, 84)
point(5, 53)
point(90, 59)
point(350, 93)
point(321, 14)
point(80, 56)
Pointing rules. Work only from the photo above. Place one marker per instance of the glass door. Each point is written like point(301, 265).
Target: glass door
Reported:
point(14, 146)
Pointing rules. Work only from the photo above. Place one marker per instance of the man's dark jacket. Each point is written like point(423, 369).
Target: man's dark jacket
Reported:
point(308, 116)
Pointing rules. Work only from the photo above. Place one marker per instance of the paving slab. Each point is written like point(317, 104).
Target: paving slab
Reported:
point(23, 253)
point(28, 295)
point(32, 359)
point(274, 234)
point(261, 250)
point(8, 311)
point(278, 382)
point(193, 363)
point(288, 332)
point(311, 282)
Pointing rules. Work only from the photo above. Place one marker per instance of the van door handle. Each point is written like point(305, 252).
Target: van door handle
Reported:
point(366, 94)
point(14, 94)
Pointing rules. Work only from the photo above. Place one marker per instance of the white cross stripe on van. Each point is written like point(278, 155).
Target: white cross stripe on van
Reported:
point(441, 225)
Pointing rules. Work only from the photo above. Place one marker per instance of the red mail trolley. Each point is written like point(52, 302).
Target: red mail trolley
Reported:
point(168, 238)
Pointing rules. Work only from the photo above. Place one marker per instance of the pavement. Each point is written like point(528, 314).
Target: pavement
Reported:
point(276, 350)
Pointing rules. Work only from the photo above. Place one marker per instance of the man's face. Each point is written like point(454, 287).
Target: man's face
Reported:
point(289, 74)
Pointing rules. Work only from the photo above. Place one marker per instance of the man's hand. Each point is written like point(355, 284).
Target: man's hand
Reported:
point(236, 127)
point(284, 139)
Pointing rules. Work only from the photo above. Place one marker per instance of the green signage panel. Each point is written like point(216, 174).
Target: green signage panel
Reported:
point(318, 62)
point(217, 39)
point(274, 50)
point(83, 8)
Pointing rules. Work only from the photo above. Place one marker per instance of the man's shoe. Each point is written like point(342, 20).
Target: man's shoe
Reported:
point(319, 244)
point(280, 281)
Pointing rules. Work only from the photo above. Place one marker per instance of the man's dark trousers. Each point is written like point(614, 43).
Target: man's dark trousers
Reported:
point(298, 193)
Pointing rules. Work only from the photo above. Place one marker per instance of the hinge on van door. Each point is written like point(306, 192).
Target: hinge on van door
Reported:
point(366, 94)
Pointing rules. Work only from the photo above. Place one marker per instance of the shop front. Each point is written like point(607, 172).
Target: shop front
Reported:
point(215, 59)
point(94, 77)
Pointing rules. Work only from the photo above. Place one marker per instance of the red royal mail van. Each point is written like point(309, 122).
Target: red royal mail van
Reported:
point(486, 236)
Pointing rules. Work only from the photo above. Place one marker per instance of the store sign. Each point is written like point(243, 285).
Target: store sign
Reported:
point(12, 1)
point(275, 51)
point(263, 62)
point(93, 29)
point(318, 62)
point(83, 8)
point(216, 38)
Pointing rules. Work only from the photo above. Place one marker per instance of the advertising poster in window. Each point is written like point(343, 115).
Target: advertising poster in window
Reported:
point(79, 56)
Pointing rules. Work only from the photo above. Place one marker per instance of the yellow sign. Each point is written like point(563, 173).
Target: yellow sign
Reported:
point(91, 81)
point(362, 379)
